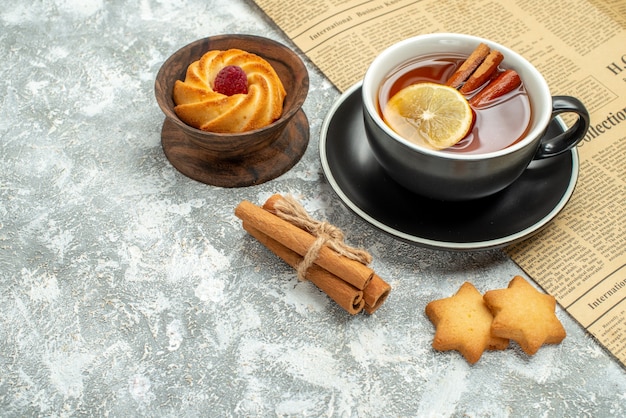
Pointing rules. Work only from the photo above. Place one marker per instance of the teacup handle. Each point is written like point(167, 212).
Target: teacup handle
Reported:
point(551, 146)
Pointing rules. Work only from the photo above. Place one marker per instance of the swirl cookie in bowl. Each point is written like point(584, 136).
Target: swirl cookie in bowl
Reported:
point(229, 91)
point(233, 109)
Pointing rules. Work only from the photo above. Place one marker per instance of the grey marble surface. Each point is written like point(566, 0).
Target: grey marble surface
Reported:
point(127, 289)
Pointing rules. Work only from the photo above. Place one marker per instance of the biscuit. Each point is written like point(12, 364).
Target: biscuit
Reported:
point(463, 323)
point(524, 315)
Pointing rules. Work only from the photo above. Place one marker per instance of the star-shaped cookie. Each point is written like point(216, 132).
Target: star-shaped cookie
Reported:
point(463, 323)
point(525, 315)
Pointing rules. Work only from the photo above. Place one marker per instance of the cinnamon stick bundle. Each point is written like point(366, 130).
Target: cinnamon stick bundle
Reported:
point(299, 241)
point(344, 294)
point(346, 280)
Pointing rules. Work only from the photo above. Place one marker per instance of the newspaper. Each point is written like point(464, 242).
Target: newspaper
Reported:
point(580, 47)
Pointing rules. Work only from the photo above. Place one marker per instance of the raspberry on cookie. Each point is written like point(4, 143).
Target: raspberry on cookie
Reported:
point(231, 80)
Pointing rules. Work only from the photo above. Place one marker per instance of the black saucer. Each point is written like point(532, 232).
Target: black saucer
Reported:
point(509, 216)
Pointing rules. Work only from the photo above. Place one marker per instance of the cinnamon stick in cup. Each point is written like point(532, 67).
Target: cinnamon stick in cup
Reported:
point(345, 295)
point(504, 83)
point(469, 65)
point(484, 72)
point(299, 241)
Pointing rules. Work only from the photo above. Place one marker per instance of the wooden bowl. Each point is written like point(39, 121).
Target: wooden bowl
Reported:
point(236, 159)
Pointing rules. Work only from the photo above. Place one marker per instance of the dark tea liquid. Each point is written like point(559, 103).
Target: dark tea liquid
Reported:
point(497, 126)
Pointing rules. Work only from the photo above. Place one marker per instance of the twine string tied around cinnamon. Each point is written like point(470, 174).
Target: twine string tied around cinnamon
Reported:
point(325, 233)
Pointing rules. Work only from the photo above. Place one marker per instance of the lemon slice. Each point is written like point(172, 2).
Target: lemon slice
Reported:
point(429, 114)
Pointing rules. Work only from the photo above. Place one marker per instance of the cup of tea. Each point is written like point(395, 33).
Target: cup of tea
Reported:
point(505, 133)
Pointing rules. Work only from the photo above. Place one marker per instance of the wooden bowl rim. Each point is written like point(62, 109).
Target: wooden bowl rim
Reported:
point(161, 83)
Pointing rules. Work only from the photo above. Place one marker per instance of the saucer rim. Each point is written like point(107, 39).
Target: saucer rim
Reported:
point(427, 242)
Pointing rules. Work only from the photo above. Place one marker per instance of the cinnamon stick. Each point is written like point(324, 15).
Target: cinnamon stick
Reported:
point(375, 294)
point(270, 204)
point(299, 241)
point(504, 83)
point(484, 72)
point(290, 210)
point(345, 295)
point(469, 65)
